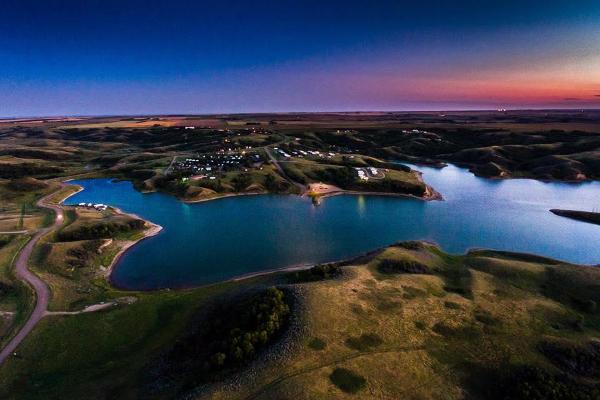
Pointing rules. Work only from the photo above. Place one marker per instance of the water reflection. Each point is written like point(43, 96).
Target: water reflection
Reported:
point(216, 240)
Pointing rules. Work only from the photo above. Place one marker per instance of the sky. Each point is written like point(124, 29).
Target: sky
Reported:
point(132, 57)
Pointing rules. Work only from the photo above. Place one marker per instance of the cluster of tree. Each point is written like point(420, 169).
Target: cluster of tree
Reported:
point(99, 230)
point(394, 266)
point(241, 182)
point(171, 183)
point(317, 273)
point(273, 185)
point(225, 336)
point(236, 341)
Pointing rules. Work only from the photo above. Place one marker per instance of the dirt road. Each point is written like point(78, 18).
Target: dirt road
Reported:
point(42, 293)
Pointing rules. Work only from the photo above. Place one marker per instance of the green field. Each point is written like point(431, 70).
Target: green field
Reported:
point(408, 322)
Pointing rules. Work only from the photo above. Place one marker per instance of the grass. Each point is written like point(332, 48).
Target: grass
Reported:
point(75, 270)
point(16, 297)
point(399, 335)
point(436, 343)
point(19, 212)
point(98, 353)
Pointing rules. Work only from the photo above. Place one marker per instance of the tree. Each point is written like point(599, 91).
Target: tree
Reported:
point(241, 182)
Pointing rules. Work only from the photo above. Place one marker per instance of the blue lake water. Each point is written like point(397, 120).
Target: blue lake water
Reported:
point(212, 241)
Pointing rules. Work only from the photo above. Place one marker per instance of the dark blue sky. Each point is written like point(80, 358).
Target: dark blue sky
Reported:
point(135, 57)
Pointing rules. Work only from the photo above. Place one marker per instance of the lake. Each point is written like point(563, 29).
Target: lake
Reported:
point(216, 240)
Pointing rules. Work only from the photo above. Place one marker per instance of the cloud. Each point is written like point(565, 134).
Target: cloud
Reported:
point(597, 95)
point(571, 99)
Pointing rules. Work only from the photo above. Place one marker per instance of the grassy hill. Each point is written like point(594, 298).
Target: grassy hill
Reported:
point(408, 321)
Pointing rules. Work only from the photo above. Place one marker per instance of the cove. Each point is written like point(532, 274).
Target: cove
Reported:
point(213, 241)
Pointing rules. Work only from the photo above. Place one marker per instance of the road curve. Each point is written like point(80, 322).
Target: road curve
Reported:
point(42, 293)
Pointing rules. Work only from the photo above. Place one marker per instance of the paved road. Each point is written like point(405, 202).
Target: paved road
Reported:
point(170, 167)
point(42, 292)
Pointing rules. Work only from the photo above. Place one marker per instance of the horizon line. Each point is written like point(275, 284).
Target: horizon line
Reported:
point(142, 115)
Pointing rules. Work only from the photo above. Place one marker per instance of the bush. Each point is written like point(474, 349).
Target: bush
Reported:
point(347, 380)
point(452, 305)
point(317, 344)
point(364, 342)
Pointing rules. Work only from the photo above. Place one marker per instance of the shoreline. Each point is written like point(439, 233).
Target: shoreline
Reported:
point(152, 230)
point(155, 229)
point(223, 196)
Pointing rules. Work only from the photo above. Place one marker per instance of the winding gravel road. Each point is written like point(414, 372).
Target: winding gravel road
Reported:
point(42, 292)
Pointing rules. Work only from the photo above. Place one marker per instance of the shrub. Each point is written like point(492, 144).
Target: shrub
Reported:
point(452, 305)
point(317, 344)
point(347, 380)
point(364, 342)
point(486, 318)
point(420, 325)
